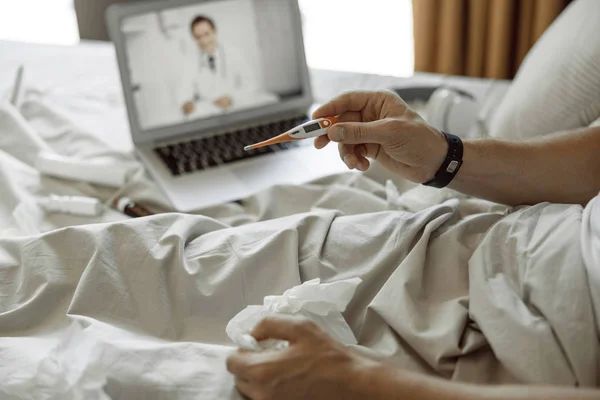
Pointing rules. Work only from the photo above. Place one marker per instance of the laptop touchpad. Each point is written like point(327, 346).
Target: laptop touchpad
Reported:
point(269, 170)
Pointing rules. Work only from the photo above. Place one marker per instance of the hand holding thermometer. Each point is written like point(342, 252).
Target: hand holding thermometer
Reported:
point(310, 129)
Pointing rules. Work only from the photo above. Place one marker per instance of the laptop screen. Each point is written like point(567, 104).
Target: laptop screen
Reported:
point(199, 61)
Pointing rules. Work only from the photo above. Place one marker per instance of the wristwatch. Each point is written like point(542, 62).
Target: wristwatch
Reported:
point(451, 164)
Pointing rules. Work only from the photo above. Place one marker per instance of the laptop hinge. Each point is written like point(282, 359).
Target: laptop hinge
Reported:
point(230, 128)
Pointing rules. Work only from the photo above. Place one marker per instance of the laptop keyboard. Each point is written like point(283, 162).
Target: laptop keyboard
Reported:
point(199, 154)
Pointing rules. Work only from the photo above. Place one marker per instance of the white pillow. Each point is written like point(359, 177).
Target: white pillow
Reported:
point(557, 86)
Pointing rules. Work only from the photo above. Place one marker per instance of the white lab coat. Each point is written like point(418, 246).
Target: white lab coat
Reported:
point(233, 77)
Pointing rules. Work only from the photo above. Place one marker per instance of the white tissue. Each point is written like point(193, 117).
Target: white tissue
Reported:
point(248, 342)
point(321, 303)
point(65, 366)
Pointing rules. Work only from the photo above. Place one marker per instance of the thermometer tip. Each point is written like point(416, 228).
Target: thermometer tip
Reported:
point(247, 148)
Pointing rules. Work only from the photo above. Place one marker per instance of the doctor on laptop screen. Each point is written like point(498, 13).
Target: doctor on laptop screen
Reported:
point(210, 58)
point(220, 76)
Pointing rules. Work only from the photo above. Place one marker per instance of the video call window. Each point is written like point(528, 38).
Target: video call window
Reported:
point(218, 57)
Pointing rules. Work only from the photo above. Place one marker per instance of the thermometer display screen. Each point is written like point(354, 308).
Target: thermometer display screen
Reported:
point(312, 127)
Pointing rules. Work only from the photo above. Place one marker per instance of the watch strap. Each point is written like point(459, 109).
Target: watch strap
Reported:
point(452, 163)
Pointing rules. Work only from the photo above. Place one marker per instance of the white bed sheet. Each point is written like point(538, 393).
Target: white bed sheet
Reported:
point(457, 287)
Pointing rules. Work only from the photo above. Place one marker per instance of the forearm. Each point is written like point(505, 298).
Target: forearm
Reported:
point(391, 383)
point(562, 169)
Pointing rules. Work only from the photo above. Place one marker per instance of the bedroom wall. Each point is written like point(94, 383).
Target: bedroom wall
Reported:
point(90, 18)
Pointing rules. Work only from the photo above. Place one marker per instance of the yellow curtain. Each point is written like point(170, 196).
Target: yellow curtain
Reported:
point(479, 38)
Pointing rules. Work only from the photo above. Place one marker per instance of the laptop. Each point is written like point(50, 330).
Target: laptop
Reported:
point(203, 79)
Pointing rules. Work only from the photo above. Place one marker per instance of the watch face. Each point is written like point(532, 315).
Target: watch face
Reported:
point(452, 166)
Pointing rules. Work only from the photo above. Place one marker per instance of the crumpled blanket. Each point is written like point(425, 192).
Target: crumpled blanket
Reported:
point(450, 286)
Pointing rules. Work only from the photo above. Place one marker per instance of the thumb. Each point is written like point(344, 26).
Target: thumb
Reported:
point(378, 132)
point(279, 327)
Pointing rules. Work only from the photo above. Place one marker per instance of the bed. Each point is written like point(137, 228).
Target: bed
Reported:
point(112, 307)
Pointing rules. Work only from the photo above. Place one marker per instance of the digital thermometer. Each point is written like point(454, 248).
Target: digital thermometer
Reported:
point(310, 129)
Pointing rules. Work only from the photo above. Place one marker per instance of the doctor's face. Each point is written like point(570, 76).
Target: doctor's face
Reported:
point(206, 37)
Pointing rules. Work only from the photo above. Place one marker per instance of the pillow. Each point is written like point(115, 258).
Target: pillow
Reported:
point(557, 86)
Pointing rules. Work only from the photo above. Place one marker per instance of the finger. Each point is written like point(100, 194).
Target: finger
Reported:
point(363, 164)
point(247, 389)
point(365, 150)
point(245, 364)
point(357, 155)
point(360, 151)
point(348, 155)
point(349, 101)
point(354, 161)
point(379, 132)
point(281, 327)
point(238, 364)
point(321, 141)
